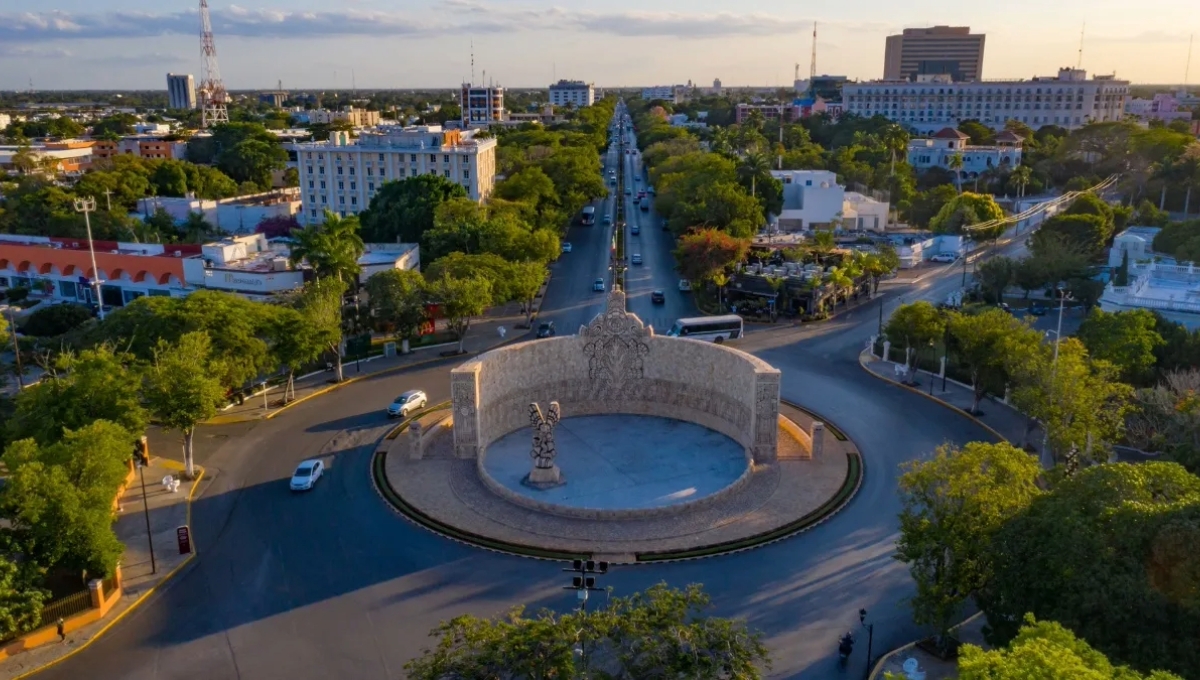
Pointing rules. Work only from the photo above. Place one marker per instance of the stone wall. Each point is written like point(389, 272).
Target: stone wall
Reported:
point(616, 365)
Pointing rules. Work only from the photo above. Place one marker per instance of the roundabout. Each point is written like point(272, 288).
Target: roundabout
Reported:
point(684, 450)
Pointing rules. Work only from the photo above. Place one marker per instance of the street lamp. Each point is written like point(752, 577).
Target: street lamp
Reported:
point(582, 585)
point(86, 206)
point(141, 457)
point(1063, 296)
point(12, 329)
point(862, 619)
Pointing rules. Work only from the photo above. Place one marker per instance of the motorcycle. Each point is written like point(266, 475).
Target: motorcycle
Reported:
point(845, 647)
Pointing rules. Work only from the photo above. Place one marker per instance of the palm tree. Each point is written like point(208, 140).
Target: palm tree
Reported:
point(956, 165)
point(1189, 172)
point(822, 245)
point(1019, 178)
point(332, 249)
point(196, 229)
point(840, 281)
point(720, 279)
point(895, 139)
point(754, 165)
point(1166, 170)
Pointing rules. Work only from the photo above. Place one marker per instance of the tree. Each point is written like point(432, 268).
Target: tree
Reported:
point(661, 633)
point(460, 300)
point(1044, 649)
point(332, 249)
point(79, 389)
point(55, 320)
point(1126, 339)
point(277, 227)
point(991, 345)
point(918, 325)
point(20, 606)
point(956, 165)
point(880, 264)
point(895, 140)
point(995, 276)
point(495, 269)
point(703, 253)
point(1019, 179)
point(401, 212)
point(533, 187)
point(182, 389)
point(397, 298)
point(321, 304)
point(1166, 418)
point(196, 229)
point(1089, 233)
point(1109, 554)
point(525, 280)
point(965, 210)
point(294, 344)
point(980, 134)
point(253, 161)
point(928, 204)
point(953, 504)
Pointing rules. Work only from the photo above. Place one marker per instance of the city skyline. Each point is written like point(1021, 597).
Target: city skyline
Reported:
point(319, 44)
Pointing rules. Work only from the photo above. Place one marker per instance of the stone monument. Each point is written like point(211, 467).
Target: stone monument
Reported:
point(545, 473)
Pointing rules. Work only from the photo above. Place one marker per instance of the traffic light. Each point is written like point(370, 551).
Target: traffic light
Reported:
point(141, 452)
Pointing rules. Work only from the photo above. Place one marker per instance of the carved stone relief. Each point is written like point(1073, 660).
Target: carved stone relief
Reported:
point(617, 342)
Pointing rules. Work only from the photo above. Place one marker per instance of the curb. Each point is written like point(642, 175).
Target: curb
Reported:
point(877, 667)
point(855, 473)
point(952, 407)
point(141, 598)
point(221, 420)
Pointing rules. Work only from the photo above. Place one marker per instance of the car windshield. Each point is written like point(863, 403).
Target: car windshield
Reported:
point(304, 471)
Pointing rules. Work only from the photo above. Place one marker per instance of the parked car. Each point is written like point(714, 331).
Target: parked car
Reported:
point(409, 402)
point(944, 257)
point(1037, 310)
point(685, 285)
point(607, 219)
point(307, 474)
point(546, 329)
point(635, 230)
point(598, 286)
point(636, 259)
point(658, 297)
point(646, 206)
point(628, 191)
point(566, 246)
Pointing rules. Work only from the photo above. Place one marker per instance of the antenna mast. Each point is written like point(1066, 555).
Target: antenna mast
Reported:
point(1079, 62)
point(1188, 66)
point(812, 64)
point(213, 97)
point(472, 61)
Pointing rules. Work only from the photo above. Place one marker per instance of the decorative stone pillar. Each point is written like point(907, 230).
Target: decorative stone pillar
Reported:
point(887, 350)
point(414, 440)
point(766, 416)
point(96, 587)
point(818, 438)
point(464, 398)
point(942, 370)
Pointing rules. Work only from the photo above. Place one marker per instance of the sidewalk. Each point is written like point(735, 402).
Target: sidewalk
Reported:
point(482, 336)
point(1003, 420)
point(168, 511)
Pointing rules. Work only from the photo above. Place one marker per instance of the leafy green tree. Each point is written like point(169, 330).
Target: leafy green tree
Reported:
point(661, 633)
point(980, 134)
point(196, 228)
point(55, 320)
point(1054, 257)
point(294, 344)
point(1126, 339)
point(20, 605)
point(461, 299)
point(95, 384)
point(119, 124)
point(703, 253)
point(1088, 232)
point(929, 204)
point(495, 269)
point(525, 280)
point(252, 160)
point(918, 326)
point(321, 305)
point(403, 211)
point(332, 248)
point(182, 389)
point(965, 210)
point(955, 163)
point(397, 298)
point(991, 345)
point(1166, 418)
point(1045, 649)
point(533, 187)
point(1109, 554)
point(953, 504)
point(995, 276)
point(879, 264)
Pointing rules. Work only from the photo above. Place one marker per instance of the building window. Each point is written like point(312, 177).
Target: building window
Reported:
point(341, 186)
point(321, 170)
point(323, 201)
point(370, 172)
point(156, 292)
point(339, 169)
point(412, 157)
point(352, 170)
point(433, 158)
point(341, 200)
point(370, 186)
point(66, 289)
point(382, 172)
point(466, 174)
point(310, 184)
point(446, 172)
point(312, 198)
point(322, 184)
point(313, 212)
point(353, 186)
point(446, 158)
point(380, 156)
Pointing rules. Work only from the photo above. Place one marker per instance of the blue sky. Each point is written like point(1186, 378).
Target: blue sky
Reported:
point(524, 43)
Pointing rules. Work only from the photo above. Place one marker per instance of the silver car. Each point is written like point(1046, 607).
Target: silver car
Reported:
point(409, 402)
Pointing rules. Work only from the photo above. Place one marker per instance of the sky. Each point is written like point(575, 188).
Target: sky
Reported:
point(334, 44)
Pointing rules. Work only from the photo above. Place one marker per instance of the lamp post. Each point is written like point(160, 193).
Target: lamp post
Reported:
point(141, 457)
point(86, 206)
point(12, 330)
point(582, 585)
point(862, 619)
point(1063, 295)
point(357, 329)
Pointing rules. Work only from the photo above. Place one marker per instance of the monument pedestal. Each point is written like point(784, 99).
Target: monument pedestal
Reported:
point(544, 478)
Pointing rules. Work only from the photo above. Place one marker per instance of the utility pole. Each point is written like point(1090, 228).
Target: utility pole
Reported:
point(582, 585)
point(12, 330)
point(86, 206)
point(862, 619)
point(108, 199)
point(141, 457)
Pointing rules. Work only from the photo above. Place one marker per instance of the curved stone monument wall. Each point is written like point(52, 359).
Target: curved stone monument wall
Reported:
point(617, 365)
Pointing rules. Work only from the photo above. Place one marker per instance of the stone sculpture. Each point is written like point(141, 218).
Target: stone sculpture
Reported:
point(617, 343)
point(545, 473)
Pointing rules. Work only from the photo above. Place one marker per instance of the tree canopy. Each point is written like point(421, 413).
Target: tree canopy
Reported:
point(402, 211)
point(703, 253)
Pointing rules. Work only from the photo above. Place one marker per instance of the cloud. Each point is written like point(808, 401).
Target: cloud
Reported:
point(22, 52)
point(453, 17)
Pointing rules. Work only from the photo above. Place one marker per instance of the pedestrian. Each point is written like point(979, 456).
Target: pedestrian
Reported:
point(502, 331)
point(62, 630)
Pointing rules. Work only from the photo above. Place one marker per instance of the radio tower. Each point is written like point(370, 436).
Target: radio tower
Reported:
point(213, 96)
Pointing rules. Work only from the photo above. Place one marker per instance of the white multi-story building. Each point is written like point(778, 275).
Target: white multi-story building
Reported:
point(574, 92)
point(351, 115)
point(810, 198)
point(5, 120)
point(181, 91)
point(936, 151)
point(1070, 100)
point(676, 94)
point(482, 106)
point(1169, 290)
point(343, 176)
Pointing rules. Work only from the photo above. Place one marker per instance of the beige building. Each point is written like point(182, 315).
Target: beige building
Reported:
point(343, 175)
point(482, 106)
point(948, 50)
point(356, 117)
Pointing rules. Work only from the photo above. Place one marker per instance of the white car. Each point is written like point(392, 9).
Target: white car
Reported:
point(566, 247)
point(636, 259)
point(598, 285)
point(307, 474)
point(409, 402)
point(685, 285)
point(944, 257)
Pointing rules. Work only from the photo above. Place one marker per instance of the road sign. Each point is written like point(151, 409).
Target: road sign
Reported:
point(183, 536)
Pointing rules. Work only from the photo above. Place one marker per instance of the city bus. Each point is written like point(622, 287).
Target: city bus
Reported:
point(715, 328)
point(589, 216)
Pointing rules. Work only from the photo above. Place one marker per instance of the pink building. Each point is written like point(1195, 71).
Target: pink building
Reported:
point(1164, 107)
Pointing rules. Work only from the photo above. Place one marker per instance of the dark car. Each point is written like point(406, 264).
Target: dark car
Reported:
point(546, 329)
point(1037, 310)
point(657, 297)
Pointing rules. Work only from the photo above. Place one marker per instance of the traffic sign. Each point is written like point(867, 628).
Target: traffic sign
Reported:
point(183, 536)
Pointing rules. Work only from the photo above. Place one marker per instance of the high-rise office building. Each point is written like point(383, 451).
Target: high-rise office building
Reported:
point(941, 50)
point(482, 105)
point(181, 91)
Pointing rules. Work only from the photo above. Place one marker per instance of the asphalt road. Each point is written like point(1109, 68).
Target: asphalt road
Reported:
point(333, 584)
